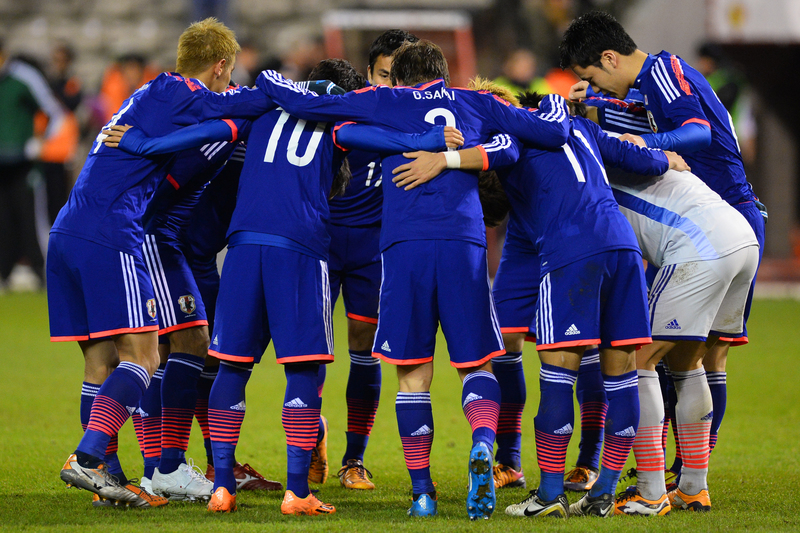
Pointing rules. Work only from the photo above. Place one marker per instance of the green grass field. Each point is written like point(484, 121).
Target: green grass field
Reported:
point(752, 479)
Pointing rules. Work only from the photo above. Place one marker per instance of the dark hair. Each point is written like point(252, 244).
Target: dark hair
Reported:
point(589, 36)
point(341, 180)
point(340, 72)
point(494, 202)
point(533, 99)
point(419, 62)
point(387, 43)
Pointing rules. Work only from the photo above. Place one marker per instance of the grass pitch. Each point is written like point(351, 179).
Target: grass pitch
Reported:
point(752, 479)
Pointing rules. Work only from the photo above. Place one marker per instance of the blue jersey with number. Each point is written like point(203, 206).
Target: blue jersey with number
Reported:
point(360, 205)
point(676, 94)
point(112, 191)
point(447, 207)
point(563, 200)
point(284, 186)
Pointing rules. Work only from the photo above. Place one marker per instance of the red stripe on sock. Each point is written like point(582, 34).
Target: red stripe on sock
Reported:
point(616, 450)
point(593, 415)
point(482, 414)
point(417, 451)
point(510, 419)
point(647, 449)
point(361, 415)
point(301, 427)
point(225, 425)
point(201, 414)
point(176, 425)
point(551, 451)
point(107, 416)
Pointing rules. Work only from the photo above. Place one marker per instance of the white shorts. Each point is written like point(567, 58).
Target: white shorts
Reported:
point(690, 301)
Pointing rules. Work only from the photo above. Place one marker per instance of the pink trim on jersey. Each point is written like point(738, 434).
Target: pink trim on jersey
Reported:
point(676, 68)
point(192, 85)
point(484, 156)
point(186, 325)
point(514, 330)
point(402, 362)
point(121, 331)
point(226, 357)
point(480, 362)
point(638, 342)
point(333, 134)
point(365, 89)
point(368, 320)
point(567, 344)
point(234, 129)
point(172, 181)
point(314, 358)
point(73, 338)
point(697, 121)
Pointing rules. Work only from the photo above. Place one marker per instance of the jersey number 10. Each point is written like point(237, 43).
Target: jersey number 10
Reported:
point(294, 140)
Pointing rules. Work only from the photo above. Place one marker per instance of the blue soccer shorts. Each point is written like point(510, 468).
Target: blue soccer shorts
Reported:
point(600, 299)
point(516, 287)
point(355, 268)
point(429, 282)
point(174, 285)
point(274, 294)
point(94, 291)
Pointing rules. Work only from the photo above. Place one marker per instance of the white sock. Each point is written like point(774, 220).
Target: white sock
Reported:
point(693, 415)
point(647, 446)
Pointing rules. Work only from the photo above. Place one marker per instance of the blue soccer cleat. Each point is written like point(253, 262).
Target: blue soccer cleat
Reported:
point(424, 505)
point(480, 497)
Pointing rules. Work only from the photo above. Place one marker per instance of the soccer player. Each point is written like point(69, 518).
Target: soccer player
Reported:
point(687, 117)
point(433, 254)
point(99, 292)
point(355, 269)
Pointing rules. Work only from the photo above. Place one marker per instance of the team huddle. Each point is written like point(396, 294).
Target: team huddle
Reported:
point(381, 188)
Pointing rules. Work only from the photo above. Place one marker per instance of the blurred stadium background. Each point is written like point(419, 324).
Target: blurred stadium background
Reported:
point(96, 52)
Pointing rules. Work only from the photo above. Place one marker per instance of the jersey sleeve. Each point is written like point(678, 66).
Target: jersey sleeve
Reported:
point(620, 116)
point(628, 156)
point(353, 136)
point(300, 102)
point(137, 143)
point(501, 151)
point(192, 104)
point(688, 138)
point(546, 127)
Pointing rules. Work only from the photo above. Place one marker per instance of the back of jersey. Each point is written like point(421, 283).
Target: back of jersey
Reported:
point(285, 183)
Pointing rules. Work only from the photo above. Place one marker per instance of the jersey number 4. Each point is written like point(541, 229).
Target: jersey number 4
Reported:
point(294, 140)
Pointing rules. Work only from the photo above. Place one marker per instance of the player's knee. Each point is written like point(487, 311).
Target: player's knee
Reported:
point(360, 335)
point(514, 342)
point(194, 341)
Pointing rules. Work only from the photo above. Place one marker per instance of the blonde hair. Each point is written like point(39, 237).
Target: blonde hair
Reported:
point(482, 84)
point(203, 44)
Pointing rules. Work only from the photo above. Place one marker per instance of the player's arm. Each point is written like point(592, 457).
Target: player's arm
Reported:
point(303, 103)
point(191, 105)
point(619, 116)
point(635, 159)
point(502, 150)
point(352, 136)
point(134, 141)
point(546, 127)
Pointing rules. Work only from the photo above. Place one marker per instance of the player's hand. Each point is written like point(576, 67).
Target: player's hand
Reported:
point(635, 139)
point(424, 167)
point(578, 91)
point(114, 135)
point(676, 162)
point(452, 137)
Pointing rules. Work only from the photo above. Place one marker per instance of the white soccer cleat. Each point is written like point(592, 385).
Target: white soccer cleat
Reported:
point(187, 483)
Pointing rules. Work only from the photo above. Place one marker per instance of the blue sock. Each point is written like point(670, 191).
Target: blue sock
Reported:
point(204, 384)
point(717, 383)
point(363, 394)
point(622, 421)
point(178, 398)
point(88, 393)
point(415, 423)
point(150, 411)
point(513, 395)
point(554, 425)
point(322, 373)
point(116, 399)
point(480, 399)
point(226, 409)
point(301, 408)
point(592, 400)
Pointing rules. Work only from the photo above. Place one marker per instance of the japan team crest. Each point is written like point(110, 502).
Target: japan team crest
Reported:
point(187, 304)
point(151, 308)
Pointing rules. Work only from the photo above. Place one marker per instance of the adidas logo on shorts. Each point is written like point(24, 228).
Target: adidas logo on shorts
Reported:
point(296, 403)
point(627, 432)
point(572, 330)
point(424, 430)
point(241, 406)
point(673, 325)
point(471, 397)
point(566, 430)
point(708, 417)
point(385, 347)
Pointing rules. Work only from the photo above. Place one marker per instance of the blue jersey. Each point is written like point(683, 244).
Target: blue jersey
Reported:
point(447, 207)
point(108, 201)
point(284, 186)
point(620, 116)
point(562, 197)
point(676, 94)
point(360, 205)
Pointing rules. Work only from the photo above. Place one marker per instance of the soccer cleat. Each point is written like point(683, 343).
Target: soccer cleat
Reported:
point(308, 506)
point(222, 501)
point(97, 501)
point(671, 480)
point(147, 485)
point(480, 496)
point(424, 505)
point(318, 470)
point(96, 480)
point(699, 502)
point(187, 483)
point(354, 475)
point(506, 477)
point(631, 502)
point(534, 506)
point(247, 478)
point(580, 479)
point(602, 506)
